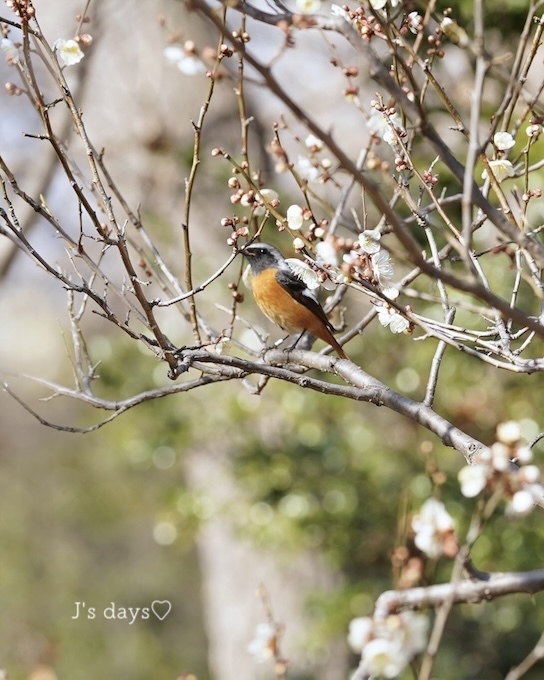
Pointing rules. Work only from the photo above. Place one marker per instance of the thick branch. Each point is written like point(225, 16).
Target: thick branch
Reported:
point(498, 585)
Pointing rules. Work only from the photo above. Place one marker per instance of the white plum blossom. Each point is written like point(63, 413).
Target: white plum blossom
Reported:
point(263, 646)
point(308, 6)
point(264, 197)
point(523, 501)
point(533, 130)
point(524, 455)
point(338, 11)
point(382, 658)
point(415, 21)
point(68, 51)
point(305, 168)
point(313, 143)
point(380, 126)
point(294, 217)
point(503, 141)
point(381, 4)
point(382, 266)
point(11, 52)
point(385, 315)
point(431, 525)
point(520, 483)
point(529, 474)
point(391, 292)
point(509, 432)
point(298, 244)
point(388, 645)
point(186, 61)
point(304, 272)
point(370, 241)
point(413, 631)
point(500, 456)
point(326, 253)
point(388, 316)
point(501, 169)
point(359, 632)
point(222, 346)
point(399, 323)
point(473, 479)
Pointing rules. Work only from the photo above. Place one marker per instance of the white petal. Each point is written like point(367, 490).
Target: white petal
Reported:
point(501, 169)
point(509, 432)
point(360, 630)
point(174, 53)
point(327, 253)
point(503, 141)
point(304, 272)
point(370, 240)
point(399, 323)
point(473, 479)
point(68, 51)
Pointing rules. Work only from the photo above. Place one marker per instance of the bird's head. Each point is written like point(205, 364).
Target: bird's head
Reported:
point(262, 256)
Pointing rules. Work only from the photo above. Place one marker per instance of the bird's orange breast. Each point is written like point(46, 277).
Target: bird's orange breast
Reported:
point(280, 306)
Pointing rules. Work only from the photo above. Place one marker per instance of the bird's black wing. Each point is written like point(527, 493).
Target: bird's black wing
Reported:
point(302, 294)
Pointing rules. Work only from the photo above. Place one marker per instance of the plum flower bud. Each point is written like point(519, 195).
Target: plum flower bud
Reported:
point(454, 32)
point(529, 474)
point(500, 456)
point(523, 455)
point(294, 217)
point(85, 39)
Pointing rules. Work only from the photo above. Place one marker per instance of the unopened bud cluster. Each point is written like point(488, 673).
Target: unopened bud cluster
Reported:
point(22, 8)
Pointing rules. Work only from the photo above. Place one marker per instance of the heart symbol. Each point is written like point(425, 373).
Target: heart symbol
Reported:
point(161, 608)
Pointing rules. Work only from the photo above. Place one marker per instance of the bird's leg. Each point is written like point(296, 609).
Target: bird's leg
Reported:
point(306, 338)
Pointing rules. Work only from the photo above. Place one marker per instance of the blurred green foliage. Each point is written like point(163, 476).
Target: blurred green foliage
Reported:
point(88, 518)
point(315, 472)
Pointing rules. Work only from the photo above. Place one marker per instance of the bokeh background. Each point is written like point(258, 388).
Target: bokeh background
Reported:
point(201, 499)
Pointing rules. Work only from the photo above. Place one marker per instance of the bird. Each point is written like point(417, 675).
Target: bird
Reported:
point(284, 298)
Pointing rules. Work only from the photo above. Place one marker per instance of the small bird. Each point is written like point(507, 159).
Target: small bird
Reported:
point(284, 298)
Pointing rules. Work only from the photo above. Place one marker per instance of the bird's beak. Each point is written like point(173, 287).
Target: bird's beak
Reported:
point(246, 252)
